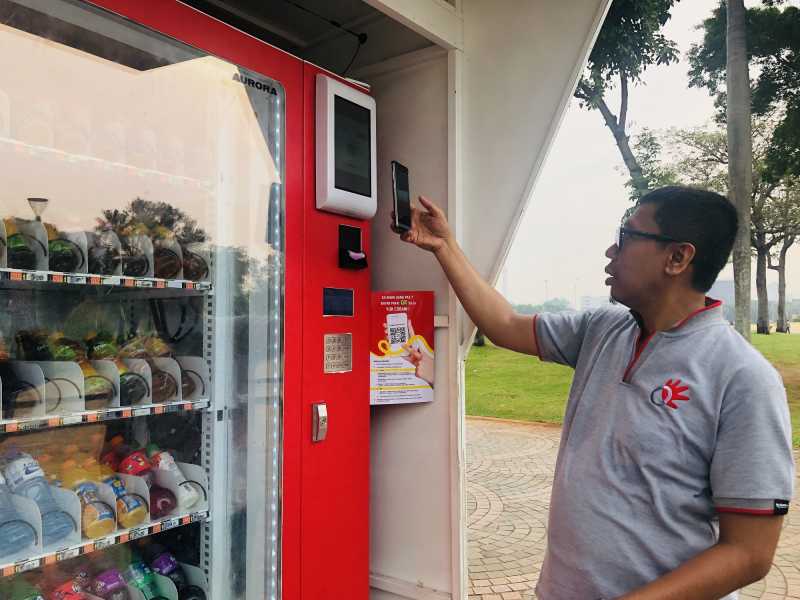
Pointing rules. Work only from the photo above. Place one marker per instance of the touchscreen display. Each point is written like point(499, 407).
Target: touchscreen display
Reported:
point(352, 144)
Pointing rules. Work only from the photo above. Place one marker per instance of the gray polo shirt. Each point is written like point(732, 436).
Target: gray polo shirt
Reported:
point(655, 443)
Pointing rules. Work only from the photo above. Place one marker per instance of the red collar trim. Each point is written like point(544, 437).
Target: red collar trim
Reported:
point(711, 303)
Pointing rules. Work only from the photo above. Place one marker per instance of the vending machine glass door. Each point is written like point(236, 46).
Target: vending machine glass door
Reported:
point(146, 178)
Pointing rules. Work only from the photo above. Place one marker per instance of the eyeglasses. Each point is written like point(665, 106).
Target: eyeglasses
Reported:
point(623, 232)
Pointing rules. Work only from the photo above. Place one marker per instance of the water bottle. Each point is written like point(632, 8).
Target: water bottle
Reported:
point(26, 478)
point(15, 534)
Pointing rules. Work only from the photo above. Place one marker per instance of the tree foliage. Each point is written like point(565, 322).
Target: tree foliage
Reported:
point(699, 157)
point(774, 54)
point(553, 305)
point(629, 42)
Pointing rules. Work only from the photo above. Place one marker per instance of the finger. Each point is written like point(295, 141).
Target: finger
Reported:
point(431, 207)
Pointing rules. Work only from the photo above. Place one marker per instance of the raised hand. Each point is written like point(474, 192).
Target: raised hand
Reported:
point(429, 228)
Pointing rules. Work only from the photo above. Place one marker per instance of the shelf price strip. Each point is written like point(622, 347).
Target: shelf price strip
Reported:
point(122, 537)
point(96, 280)
point(108, 414)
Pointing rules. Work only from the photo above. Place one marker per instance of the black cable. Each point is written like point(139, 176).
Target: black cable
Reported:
point(352, 60)
point(361, 37)
point(324, 18)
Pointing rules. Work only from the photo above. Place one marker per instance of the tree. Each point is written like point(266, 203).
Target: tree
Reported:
point(629, 42)
point(740, 152)
point(699, 157)
point(787, 209)
point(767, 38)
point(774, 49)
point(553, 305)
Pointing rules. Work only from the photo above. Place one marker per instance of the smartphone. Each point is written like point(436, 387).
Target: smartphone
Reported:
point(397, 325)
point(402, 197)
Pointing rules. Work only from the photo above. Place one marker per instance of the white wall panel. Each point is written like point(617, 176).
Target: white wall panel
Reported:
point(410, 474)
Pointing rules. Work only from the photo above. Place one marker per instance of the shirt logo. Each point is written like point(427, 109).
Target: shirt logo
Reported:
point(669, 393)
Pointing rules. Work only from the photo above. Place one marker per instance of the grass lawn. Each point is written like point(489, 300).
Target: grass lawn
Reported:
point(508, 385)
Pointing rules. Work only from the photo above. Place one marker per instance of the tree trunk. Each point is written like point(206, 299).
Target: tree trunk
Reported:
point(740, 151)
point(762, 322)
point(783, 322)
point(621, 138)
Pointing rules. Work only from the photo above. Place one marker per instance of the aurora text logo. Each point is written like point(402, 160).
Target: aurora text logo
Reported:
point(670, 394)
point(254, 83)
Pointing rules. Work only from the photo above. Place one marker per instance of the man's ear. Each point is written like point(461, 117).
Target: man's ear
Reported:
point(679, 258)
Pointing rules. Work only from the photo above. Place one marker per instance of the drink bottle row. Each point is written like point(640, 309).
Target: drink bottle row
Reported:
point(119, 245)
point(144, 570)
point(62, 486)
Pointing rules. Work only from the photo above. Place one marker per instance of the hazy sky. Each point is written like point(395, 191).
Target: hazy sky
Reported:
point(581, 192)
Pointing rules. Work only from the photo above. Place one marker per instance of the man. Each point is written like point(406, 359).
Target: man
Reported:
point(675, 466)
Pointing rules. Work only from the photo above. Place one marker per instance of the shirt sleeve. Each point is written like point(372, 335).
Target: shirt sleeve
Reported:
point(752, 469)
point(559, 336)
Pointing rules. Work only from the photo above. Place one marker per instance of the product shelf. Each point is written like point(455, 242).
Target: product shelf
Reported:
point(88, 546)
point(24, 279)
point(96, 416)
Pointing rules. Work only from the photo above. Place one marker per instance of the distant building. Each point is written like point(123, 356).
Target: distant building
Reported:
point(793, 308)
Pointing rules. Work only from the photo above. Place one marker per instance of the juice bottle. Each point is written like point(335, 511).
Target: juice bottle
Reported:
point(131, 509)
point(97, 516)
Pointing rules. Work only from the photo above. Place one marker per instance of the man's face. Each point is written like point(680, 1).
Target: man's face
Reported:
point(637, 270)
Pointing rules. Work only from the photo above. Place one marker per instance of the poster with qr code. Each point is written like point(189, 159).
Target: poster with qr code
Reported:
point(401, 356)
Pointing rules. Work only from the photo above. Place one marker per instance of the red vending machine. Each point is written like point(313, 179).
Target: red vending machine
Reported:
point(184, 299)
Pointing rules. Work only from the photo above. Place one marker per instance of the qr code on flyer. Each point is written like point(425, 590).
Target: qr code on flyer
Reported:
point(397, 335)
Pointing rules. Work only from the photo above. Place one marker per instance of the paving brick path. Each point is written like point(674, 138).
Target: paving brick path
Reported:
point(509, 474)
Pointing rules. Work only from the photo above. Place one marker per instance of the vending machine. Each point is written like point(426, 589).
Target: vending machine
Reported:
point(184, 299)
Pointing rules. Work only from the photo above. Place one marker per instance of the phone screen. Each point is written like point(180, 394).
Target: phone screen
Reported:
point(402, 197)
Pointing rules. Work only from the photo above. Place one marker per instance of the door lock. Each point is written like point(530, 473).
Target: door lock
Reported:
point(319, 428)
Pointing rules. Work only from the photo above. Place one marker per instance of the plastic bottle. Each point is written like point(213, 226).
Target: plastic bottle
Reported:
point(26, 478)
point(131, 510)
point(164, 563)
point(188, 495)
point(137, 463)
point(15, 534)
point(98, 517)
point(140, 576)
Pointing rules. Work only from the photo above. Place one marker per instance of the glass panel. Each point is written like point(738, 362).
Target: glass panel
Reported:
point(141, 304)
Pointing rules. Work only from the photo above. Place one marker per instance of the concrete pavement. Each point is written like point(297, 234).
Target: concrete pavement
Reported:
point(509, 474)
